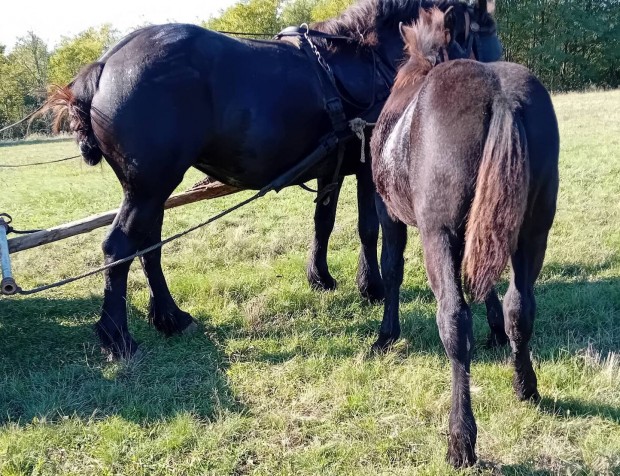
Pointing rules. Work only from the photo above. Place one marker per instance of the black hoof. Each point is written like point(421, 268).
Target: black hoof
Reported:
point(384, 343)
point(116, 345)
point(170, 321)
point(318, 283)
point(373, 293)
point(461, 453)
point(496, 340)
point(526, 387)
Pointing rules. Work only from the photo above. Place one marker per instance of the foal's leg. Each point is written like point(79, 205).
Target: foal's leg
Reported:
point(369, 280)
point(495, 318)
point(324, 218)
point(520, 309)
point(392, 266)
point(163, 311)
point(454, 319)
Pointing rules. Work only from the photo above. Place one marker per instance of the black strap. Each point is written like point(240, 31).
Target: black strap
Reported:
point(302, 31)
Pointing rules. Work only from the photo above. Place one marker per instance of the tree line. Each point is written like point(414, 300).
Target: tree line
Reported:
point(569, 44)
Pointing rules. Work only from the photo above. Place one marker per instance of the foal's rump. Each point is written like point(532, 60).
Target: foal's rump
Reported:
point(477, 167)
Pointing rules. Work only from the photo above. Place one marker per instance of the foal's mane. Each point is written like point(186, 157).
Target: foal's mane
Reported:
point(362, 20)
point(423, 42)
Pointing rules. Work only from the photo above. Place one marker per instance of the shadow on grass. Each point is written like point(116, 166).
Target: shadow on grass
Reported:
point(569, 408)
point(50, 364)
point(51, 367)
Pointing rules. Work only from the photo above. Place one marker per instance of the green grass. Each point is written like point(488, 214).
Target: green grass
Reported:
point(278, 381)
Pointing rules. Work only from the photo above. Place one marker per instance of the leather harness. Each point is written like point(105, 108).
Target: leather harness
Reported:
point(341, 129)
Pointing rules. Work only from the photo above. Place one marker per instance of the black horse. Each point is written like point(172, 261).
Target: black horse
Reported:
point(468, 153)
point(170, 97)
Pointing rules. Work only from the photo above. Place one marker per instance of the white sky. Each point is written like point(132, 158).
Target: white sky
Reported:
point(52, 19)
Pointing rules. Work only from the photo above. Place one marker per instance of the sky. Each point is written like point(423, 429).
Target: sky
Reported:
point(53, 19)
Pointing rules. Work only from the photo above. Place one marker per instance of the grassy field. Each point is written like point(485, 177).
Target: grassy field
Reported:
point(278, 381)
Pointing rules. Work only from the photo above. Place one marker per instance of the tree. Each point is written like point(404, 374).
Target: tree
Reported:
point(23, 81)
point(74, 53)
point(249, 16)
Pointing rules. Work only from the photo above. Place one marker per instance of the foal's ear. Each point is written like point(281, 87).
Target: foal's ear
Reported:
point(401, 29)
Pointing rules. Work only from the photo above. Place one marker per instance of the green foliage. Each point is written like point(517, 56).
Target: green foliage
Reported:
point(250, 16)
point(568, 44)
point(23, 81)
point(73, 53)
point(329, 8)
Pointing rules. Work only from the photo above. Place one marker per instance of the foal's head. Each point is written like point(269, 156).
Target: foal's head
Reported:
point(461, 31)
point(426, 41)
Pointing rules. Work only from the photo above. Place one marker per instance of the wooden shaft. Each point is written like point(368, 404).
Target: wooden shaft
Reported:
point(197, 193)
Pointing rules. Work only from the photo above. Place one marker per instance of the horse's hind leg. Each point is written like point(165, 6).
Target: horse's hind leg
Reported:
point(369, 280)
point(324, 219)
point(495, 318)
point(443, 263)
point(163, 311)
point(520, 309)
point(137, 225)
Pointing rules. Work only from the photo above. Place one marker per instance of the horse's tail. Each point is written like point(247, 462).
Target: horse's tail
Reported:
point(500, 200)
point(74, 101)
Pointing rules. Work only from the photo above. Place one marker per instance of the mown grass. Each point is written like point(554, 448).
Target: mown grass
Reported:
point(278, 381)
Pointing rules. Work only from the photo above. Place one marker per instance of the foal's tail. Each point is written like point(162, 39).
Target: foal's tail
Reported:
point(74, 101)
point(500, 200)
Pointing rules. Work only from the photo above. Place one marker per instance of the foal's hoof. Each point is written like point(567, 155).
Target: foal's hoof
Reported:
point(384, 343)
point(496, 340)
point(525, 385)
point(527, 393)
point(461, 453)
point(318, 283)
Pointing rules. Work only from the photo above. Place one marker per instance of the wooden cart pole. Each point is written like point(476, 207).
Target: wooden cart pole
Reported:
point(201, 191)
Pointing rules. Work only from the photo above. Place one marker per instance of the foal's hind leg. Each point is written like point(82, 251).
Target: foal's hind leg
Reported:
point(324, 218)
point(495, 318)
point(520, 310)
point(392, 266)
point(454, 319)
point(163, 311)
point(369, 280)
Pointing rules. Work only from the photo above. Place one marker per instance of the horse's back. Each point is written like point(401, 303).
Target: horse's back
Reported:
point(196, 97)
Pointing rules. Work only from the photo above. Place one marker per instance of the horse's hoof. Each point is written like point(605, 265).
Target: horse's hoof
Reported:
point(122, 352)
point(383, 344)
point(373, 294)
point(191, 328)
point(326, 283)
point(496, 340)
point(170, 321)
